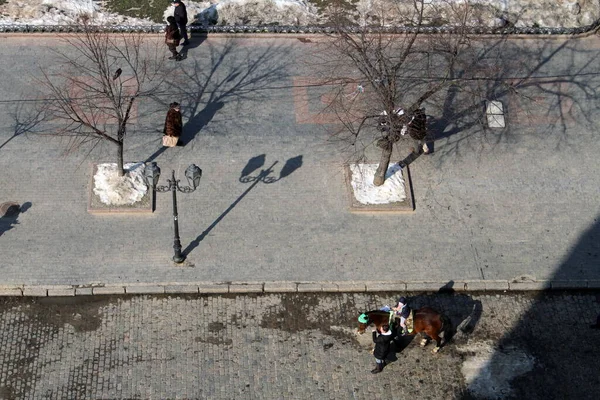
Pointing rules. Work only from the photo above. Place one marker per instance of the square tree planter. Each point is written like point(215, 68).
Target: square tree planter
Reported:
point(397, 205)
point(95, 206)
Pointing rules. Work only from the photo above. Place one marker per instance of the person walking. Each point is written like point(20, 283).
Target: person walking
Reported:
point(173, 126)
point(381, 351)
point(417, 130)
point(172, 38)
point(181, 19)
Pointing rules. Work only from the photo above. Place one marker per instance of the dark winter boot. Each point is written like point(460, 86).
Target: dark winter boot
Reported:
point(378, 368)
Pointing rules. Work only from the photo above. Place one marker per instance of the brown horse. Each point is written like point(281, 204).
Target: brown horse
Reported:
point(425, 320)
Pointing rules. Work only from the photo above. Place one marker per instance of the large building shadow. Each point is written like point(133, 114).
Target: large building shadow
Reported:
point(552, 352)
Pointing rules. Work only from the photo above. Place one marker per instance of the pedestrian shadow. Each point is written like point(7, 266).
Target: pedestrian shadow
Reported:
point(195, 42)
point(10, 212)
point(264, 176)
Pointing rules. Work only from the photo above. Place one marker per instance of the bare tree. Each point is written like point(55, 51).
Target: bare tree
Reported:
point(387, 76)
point(100, 77)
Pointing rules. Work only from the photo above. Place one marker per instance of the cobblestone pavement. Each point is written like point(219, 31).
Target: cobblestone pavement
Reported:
point(294, 346)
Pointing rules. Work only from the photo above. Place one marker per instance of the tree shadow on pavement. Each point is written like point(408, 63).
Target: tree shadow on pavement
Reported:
point(235, 74)
point(264, 176)
point(25, 121)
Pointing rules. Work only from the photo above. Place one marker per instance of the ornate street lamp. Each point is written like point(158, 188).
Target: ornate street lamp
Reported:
point(193, 174)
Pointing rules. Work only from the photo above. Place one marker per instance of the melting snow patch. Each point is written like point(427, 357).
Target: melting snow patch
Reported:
point(120, 190)
point(489, 372)
point(366, 192)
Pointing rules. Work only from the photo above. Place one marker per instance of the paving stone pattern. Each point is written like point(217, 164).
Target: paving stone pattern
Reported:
point(292, 346)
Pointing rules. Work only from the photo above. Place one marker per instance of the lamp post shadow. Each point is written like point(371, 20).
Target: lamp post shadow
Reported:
point(264, 176)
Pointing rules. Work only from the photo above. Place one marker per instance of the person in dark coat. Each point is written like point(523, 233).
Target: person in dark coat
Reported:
point(172, 37)
point(181, 20)
point(173, 122)
point(417, 130)
point(381, 351)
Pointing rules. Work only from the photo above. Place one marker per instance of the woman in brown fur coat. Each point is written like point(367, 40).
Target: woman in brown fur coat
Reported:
point(173, 122)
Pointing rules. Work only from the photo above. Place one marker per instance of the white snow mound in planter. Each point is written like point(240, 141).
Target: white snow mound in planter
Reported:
point(366, 192)
point(118, 190)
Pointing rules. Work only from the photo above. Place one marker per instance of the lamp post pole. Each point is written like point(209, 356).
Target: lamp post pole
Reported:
point(178, 257)
point(193, 175)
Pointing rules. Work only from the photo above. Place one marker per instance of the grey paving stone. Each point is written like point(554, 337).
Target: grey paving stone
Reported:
point(280, 287)
point(216, 288)
point(593, 284)
point(241, 288)
point(496, 285)
point(385, 286)
point(424, 286)
point(109, 290)
point(569, 284)
point(541, 285)
point(181, 289)
point(35, 291)
point(144, 289)
point(61, 292)
point(351, 287)
point(84, 291)
point(11, 291)
point(311, 287)
point(477, 286)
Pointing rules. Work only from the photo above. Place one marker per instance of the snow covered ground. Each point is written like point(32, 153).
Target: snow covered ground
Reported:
point(520, 13)
point(64, 12)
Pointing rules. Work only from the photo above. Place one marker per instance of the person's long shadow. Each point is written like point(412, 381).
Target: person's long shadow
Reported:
point(195, 42)
point(263, 176)
point(10, 214)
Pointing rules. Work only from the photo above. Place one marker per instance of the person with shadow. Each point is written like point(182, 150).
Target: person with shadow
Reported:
point(173, 124)
point(180, 15)
point(382, 340)
point(172, 38)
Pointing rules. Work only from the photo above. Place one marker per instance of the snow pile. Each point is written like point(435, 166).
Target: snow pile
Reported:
point(61, 12)
point(366, 192)
point(120, 190)
point(249, 12)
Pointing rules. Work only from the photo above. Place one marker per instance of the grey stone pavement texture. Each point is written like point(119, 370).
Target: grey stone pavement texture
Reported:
point(294, 346)
point(510, 209)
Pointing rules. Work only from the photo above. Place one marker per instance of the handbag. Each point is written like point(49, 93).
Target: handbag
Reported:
point(170, 141)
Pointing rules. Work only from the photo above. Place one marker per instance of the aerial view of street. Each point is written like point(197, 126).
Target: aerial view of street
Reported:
point(299, 199)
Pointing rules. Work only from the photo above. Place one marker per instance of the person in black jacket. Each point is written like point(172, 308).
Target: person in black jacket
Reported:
point(382, 342)
point(181, 19)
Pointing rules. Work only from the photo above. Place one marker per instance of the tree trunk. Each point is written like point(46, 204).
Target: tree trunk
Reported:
point(120, 168)
point(384, 162)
